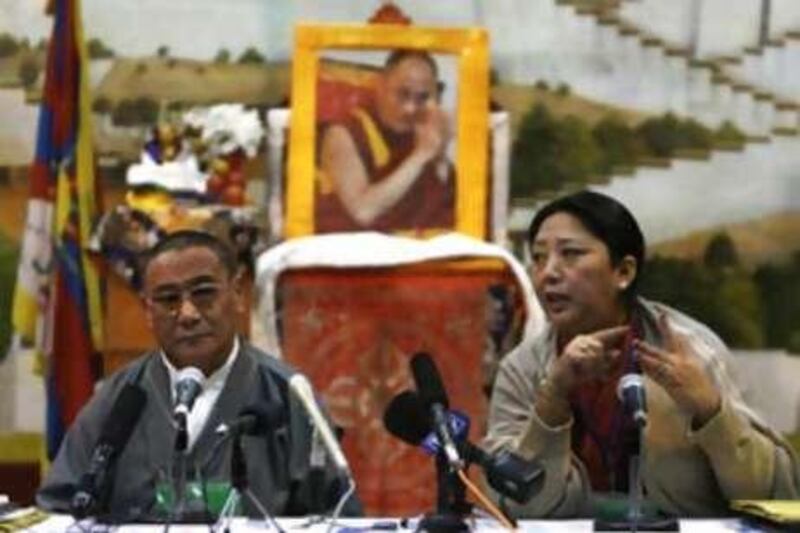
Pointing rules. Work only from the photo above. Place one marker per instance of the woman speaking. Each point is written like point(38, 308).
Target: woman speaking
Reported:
point(556, 398)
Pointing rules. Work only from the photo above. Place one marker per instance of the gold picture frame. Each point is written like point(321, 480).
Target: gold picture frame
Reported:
point(469, 45)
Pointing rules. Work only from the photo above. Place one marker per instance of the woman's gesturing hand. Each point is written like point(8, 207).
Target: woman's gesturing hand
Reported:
point(588, 357)
point(680, 373)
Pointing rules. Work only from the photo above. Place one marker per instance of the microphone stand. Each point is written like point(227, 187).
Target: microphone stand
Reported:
point(179, 474)
point(636, 519)
point(635, 490)
point(451, 503)
point(240, 488)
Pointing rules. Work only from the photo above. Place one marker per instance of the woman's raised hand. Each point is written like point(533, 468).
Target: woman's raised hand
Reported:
point(680, 373)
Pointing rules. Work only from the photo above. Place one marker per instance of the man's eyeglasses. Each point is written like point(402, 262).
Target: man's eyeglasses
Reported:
point(201, 296)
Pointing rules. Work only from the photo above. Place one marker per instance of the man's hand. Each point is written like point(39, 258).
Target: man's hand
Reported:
point(680, 373)
point(432, 133)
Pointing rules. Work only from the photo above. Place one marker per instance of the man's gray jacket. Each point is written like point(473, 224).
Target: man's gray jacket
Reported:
point(280, 474)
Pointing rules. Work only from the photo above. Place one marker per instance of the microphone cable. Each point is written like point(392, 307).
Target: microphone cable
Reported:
point(485, 501)
point(337, 511)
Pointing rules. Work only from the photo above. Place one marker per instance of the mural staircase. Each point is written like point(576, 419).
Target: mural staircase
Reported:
point(762, 70)
point(647, 71)
point(606, 51)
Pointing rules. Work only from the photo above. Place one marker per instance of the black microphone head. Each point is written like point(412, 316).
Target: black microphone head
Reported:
point(428, 380)
point(124, 416)
point(114, 435)
point(407, 418)
point(263, 417)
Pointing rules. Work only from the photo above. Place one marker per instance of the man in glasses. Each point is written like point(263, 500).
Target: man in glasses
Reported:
point(384, 167)
point(193, 300)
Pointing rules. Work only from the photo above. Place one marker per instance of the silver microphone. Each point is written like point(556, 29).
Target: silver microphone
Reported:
point(301, 388)
point(189, 385)
point(631, 393)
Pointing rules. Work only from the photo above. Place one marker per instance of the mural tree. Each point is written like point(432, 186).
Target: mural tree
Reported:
point(252, 56)
point(8, 45)
point(550, 153)
point(28, 71)
point(223, 57)
point(779, 286)
point(718, 291)
point(97, 49)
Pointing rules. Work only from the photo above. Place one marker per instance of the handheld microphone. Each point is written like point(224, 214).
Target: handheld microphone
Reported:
point(254, 420)
point(116, 432)
point(432, 393)
point(188, 386)
point(301, 388)
point(507, 473)
point(631, 393)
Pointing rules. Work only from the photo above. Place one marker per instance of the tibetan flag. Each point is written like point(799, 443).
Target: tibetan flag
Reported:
point(57, 304)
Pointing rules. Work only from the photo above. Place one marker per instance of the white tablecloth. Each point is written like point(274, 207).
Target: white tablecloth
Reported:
point(61, 523)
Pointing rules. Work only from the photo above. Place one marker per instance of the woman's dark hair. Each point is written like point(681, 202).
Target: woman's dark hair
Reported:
point(605, 218)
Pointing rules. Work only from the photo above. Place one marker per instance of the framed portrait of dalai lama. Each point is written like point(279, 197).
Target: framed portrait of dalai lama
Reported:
point(388, 131)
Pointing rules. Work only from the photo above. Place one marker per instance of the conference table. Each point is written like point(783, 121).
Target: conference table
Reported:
point(65, 523)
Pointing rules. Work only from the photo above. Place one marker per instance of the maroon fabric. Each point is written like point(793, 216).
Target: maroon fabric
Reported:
point(20, 481)
point(336, 97)
point(428, 204)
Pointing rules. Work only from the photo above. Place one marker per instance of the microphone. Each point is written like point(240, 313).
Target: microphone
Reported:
point(432, 393)
point(116, 432)
point(189, 385)
point(631, 393)
point(508, 474)
point(407, 418)
point(254, 420)
point(301, 388)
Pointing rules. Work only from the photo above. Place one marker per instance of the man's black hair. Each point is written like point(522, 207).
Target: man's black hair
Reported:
point(183, 239)
point(605, 218)
point(401, 54)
